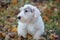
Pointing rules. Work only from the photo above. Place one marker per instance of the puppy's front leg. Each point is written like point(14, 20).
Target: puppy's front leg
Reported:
point(37, 35)
point(22, 35)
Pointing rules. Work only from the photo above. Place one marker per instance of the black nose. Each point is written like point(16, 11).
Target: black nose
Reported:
point(19, 17)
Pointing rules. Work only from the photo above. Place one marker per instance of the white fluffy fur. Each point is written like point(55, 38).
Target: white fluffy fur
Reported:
point(31, 22)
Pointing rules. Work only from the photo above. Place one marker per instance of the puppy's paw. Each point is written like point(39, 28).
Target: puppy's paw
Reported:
point(36, 38)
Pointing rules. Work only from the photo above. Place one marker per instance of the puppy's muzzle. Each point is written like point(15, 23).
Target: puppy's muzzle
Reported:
point(19, 17)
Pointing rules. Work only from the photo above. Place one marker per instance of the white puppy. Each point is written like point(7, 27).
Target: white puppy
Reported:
point(30, 21)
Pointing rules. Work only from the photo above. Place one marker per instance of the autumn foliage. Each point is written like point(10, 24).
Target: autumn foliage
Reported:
point(8, 20)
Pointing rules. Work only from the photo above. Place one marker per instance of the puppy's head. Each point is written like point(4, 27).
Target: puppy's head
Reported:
point(28, 13)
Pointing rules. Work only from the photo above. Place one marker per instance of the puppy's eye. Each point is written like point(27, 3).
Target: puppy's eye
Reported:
point(26, 10)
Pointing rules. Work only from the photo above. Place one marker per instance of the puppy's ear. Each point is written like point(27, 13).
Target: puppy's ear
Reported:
point(36, 12)
point(21, 8)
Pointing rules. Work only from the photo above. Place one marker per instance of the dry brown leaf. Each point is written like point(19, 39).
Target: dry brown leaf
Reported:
point(29, 36)
point(53, 36)
point(13, 2)
point(7, 37)
point(14, 29)
point(45, 18)
point(1, 34)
